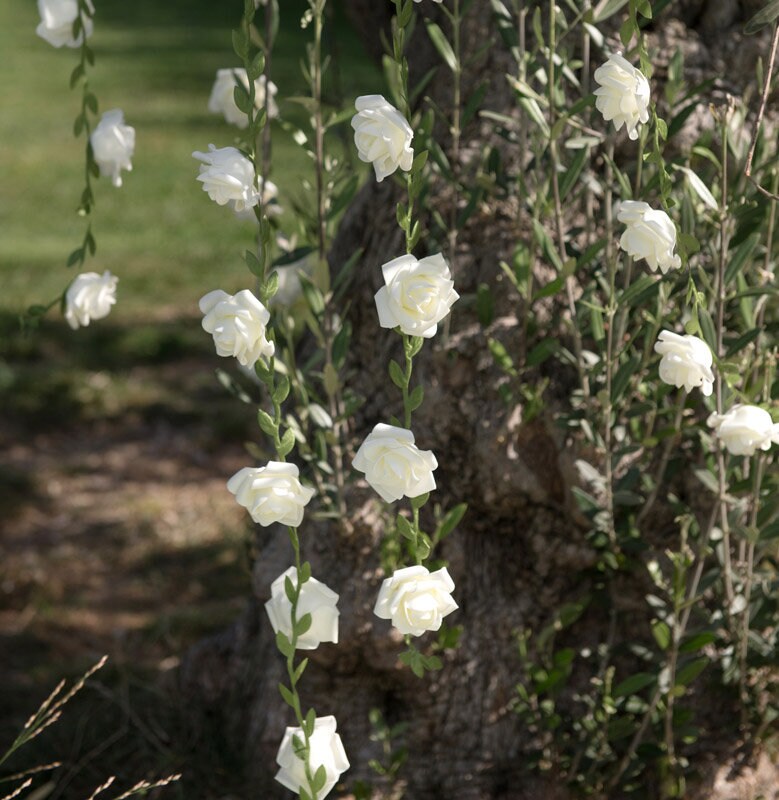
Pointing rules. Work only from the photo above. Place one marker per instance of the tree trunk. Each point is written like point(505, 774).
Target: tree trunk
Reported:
point(519, 554)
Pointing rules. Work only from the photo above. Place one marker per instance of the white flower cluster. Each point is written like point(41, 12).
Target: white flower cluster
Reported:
point(57, 19)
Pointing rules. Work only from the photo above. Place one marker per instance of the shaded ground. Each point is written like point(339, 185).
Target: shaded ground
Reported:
point(117, 536)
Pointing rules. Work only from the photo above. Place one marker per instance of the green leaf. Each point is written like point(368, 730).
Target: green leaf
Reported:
point(303, 624)
point(420, 500)
point(257, 66)
point(689, 672)
point(416, 397)
point(240, 43)
point(242, 99)
point(441, 43)
point(695, 642)
point(310, 721)
point(764, 17)
point(541, 352)
point(314, 298)
point(405, 528)
point(284, 645)
point(299, 669)
point(281, 392)
point(633, 684)
point(662, 634)
point(305, 572)
point(396, 374)
point(451, 520)
point(287, 695)
point(289, 589)
point(266, 422)
point(320, 778)
point(287, 442)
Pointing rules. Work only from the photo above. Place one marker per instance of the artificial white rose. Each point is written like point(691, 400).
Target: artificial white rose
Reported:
point(325, 750)
point(89, 297)
point(393, 465)
point(623, 94)
point(650, 234)
point(686, 361)
point(382, 135)
point(57, 18)
point(228, 175)
point(113, 145)
point(222, 100)
point(315, 599)
point(417, 295)
point(271, 494)
point(745, 429)
point(270, 205)
point(416, 600)
point(238, 324)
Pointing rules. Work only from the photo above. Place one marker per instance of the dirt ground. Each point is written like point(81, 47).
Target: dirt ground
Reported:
point(117, 536)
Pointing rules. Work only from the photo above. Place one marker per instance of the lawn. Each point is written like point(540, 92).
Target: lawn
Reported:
point(159, 233)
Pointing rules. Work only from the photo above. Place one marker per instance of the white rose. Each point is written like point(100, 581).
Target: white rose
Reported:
point(417, 294)
point(686, 361)
point(325, 750)
point(272, 493)
point(416, 600)
point(228, 175)
point(650, 235)
point(238, 324)
point(315, 599)
point(89, 297)
point(270, 205)
point(623, 94)
point(744, 429)
point(57, 18)
point(222, 100)
point(393, 465)
point(113, 144)
point(382, 135)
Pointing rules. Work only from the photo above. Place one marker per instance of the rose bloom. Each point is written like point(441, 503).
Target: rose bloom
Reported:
point(416, 600)
point(686, 361)
point(745, 429)
point(113, 144)
point(382, 135)
point(228, 175)
point(325, 750)
point(393, 465)
point(57, 18)
point(272, 493)
point(650, 234)
point(315, 599)
point(238, 324)
point(417, 294)
point(623, 94)
point(222, 100)
point(89, 297)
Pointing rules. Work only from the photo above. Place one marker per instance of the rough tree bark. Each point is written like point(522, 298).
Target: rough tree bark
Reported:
point(520, 552)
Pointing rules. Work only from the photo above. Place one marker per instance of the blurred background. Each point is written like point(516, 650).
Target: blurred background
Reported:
point(117, 534)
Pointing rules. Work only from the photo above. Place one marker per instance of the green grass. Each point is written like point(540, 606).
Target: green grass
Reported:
point(163, 237)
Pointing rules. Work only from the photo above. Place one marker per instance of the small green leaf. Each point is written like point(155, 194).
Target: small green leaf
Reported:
point(451, 520)
point(662, 634)
point(266, 423)
point(441, 43)
point(281, 392)
point(289, 589)
point(287, 442)
point(764, 17)
point(405, 528)
point(287, 695)
point(303, 624)
point(284, 645)
point(416, 397)
point(633, 684)
point(396, 374)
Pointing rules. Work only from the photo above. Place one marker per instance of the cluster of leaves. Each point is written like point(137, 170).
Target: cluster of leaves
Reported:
point(647, 443)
